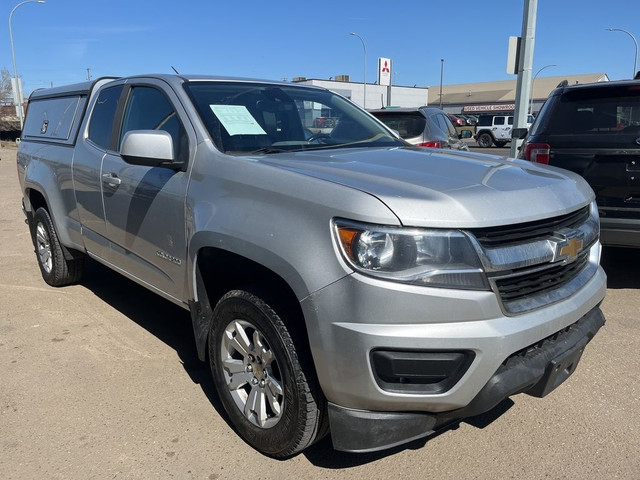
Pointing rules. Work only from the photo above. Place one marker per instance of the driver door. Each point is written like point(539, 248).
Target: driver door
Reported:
point(145, 206)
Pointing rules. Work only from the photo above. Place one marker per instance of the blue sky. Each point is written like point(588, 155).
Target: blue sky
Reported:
point(56, 42)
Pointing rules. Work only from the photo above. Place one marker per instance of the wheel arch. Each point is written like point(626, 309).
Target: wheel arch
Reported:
point(218, 271)
point(484, 130)
point(35, 198)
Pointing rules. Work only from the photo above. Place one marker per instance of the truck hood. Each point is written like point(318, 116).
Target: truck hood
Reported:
point(436, 188)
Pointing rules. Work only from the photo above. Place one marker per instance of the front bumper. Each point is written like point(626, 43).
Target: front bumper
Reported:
point(536, 371)
point(351, 318)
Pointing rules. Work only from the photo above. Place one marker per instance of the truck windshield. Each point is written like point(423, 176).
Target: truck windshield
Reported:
point(259, 118)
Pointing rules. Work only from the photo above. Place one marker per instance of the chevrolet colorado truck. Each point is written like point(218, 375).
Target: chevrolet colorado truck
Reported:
point(338, 279)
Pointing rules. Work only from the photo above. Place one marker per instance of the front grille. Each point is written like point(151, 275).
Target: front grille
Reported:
point(527, 283)
point(527, 264)
point(523, 232)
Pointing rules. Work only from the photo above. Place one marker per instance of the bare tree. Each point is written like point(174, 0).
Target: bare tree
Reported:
point(6, 94)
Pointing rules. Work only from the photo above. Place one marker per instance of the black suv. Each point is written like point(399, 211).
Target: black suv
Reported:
point(594, 130)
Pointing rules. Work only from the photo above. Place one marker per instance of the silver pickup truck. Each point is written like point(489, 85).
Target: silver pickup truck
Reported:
point(337, 278)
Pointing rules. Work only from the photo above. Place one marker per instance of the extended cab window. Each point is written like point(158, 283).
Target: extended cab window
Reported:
point(101, 122)
point(149, 109)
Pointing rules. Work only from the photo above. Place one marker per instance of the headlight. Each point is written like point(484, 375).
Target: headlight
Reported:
point(433, 258)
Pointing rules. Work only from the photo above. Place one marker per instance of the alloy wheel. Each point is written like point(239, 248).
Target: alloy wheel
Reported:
point(252, 374)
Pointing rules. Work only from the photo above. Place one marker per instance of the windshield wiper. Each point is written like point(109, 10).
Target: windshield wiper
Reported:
point(267, 150)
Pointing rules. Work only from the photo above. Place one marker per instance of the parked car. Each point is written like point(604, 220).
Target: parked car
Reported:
point(457, 120)
point(470, 119)
point(496, 129)
point(423, 126)
point(594, 130)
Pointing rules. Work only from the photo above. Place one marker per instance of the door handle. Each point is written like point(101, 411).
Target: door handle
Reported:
point(111, 180)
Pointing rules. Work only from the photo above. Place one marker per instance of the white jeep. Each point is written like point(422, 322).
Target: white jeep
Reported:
point(496, 129)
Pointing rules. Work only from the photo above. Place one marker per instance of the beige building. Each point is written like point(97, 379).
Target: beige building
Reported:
point(500, 96)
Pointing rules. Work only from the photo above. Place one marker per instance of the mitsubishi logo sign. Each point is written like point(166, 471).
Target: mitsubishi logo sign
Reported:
point(384, 71)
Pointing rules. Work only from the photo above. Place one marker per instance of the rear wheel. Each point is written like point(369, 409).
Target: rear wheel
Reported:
point(265, 382)
point(485, 140)
point(56, 270)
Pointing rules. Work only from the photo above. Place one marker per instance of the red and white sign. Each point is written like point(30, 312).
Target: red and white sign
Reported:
point(488, 108)
point(384, 71)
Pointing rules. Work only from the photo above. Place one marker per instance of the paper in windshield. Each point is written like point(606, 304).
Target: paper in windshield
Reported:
point(237, 120)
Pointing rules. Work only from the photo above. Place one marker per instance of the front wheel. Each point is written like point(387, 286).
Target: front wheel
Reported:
point(485, 140)
point(269, 392)
point(500, 143)
point(55, 268)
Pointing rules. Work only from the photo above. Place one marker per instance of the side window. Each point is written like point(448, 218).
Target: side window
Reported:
point(149, 109)
point(437, 119)
point(451, 130)
point(484, 121)
point(444, 123)
point(101, 121)
point(498, 120)
point(510, 120)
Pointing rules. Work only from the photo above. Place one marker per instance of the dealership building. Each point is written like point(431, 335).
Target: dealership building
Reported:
point(489, 97)
point(472, 98)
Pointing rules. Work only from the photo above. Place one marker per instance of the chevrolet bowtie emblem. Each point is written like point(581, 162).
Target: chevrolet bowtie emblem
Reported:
point(566, 245)
point(571, 249)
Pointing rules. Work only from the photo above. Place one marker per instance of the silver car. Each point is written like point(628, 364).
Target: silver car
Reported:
point(423, 126)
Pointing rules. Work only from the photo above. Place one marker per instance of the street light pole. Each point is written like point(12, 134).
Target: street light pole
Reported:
point(364, 82)
point(635, 42)
point(441, 72)
point(17, 94)
point(533, 82)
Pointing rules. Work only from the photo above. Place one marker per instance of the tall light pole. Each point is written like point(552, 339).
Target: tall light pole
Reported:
point(364, 82)
point(441, 72)
point(635, 42)
point(17, 94)
point(533, 82)
point(525, 67)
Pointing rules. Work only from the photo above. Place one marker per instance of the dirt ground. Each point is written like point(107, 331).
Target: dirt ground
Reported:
point(101, 380)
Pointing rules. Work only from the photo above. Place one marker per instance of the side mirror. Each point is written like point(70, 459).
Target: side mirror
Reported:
point(519, 133)
point(149, 148)
point(464, 134)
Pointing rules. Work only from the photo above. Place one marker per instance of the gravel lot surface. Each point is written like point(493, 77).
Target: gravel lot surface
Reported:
point(101, 380)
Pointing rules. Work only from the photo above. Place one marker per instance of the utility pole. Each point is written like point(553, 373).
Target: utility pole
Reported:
point(88, 73)
point(525, 65)
point(441, 72)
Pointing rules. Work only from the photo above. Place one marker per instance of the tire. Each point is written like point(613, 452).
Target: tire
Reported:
point(485, 140)
point(56, 270)
point(500, 144)
point(266, 384)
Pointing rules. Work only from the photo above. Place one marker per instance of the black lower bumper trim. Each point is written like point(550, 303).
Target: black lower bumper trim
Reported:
point(362, 431)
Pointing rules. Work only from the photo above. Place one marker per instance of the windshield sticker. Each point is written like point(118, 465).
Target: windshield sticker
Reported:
point(237, 120)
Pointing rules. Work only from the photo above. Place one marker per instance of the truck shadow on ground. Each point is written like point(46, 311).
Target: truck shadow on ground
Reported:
point(622, 266)
point(172, 325)
point(163, 319)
